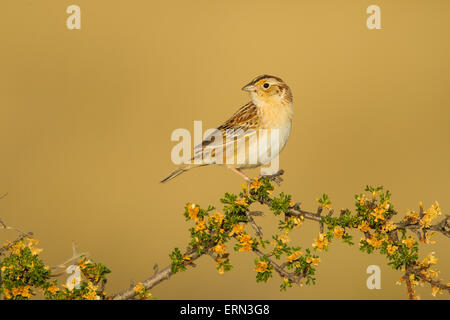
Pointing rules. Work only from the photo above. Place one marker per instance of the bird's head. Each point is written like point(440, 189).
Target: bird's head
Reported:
point(267, 89)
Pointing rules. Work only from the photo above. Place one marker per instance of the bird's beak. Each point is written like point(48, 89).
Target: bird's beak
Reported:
point(249, 87)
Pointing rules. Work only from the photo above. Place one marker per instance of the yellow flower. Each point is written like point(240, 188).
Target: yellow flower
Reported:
point(362, 199)
point(193, 211)
point(187, 258)
point(220, 248)
point(245, 238)
point(432, 274)
point(7, 293)
point(237, 229)
point(426, 221)
point(245, 242)
point(255, 185)
point(391, 249)
point(314, 261)
point(298, 221)
point(221, 269)
point(16, 291)
point(35, 251)
point(430, 214)
point(295, 256)
point(245, 247)
point(26, 292)
point(7, 243)
point(388, 226)
point(218, 217)
point(429, 260)
point(364, 226)
point(262, 266)
point(53, 289)
point(411, 216)
point(427, 238)
point(376, 243)
point(92, 292)
point(17, 248)
point(434, 291)
point(242, 202)
point(409, 242)
point(22, 291)
point(82, 264)
point(378, 213)
point(139, 288)
point(321, 242)
point(201, 225)
point(338, 232)
point(284, 238)
point(323, 205)
point(374, 194)
point(31, 242)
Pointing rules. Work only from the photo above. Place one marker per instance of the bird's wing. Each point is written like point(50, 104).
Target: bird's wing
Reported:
point(240, 125)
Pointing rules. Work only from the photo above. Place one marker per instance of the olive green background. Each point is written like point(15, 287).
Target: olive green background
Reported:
point(86, 117)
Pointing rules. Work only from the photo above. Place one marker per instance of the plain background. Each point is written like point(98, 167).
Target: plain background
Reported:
point(86, 118)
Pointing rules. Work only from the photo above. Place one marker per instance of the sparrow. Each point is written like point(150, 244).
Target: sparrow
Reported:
point(252, 136)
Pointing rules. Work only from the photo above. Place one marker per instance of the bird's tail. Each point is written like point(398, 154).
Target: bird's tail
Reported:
point(179, 171)
point(174, 174)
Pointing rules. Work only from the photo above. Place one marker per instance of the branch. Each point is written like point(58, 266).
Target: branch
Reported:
point(154, 280)
point(22, 235)
point(216, 229)
point(441, 227)
point(295, 211)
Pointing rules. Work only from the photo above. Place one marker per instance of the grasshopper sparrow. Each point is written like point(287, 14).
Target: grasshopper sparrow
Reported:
point(253, 136)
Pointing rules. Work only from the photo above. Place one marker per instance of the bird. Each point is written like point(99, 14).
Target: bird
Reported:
point(253, 135)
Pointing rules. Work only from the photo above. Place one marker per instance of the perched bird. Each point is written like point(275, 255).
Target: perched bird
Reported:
point(253, 136)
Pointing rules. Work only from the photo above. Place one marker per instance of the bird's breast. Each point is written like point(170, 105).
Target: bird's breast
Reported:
point(275, 115)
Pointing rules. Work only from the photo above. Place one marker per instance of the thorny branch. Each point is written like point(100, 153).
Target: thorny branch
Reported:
point(295, 210)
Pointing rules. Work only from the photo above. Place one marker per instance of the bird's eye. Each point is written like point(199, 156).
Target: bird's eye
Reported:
point(266, 85)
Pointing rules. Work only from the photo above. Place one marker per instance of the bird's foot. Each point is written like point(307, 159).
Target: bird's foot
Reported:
point(275, 177)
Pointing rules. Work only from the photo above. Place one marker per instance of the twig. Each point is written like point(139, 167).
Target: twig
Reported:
point(149, 283)
point(75, 257)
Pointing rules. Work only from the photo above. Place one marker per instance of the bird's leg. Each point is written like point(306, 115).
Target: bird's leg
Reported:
point(247, 179)
point(239, 172)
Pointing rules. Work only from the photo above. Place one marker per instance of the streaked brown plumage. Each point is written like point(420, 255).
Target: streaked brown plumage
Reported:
point(270, 109)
